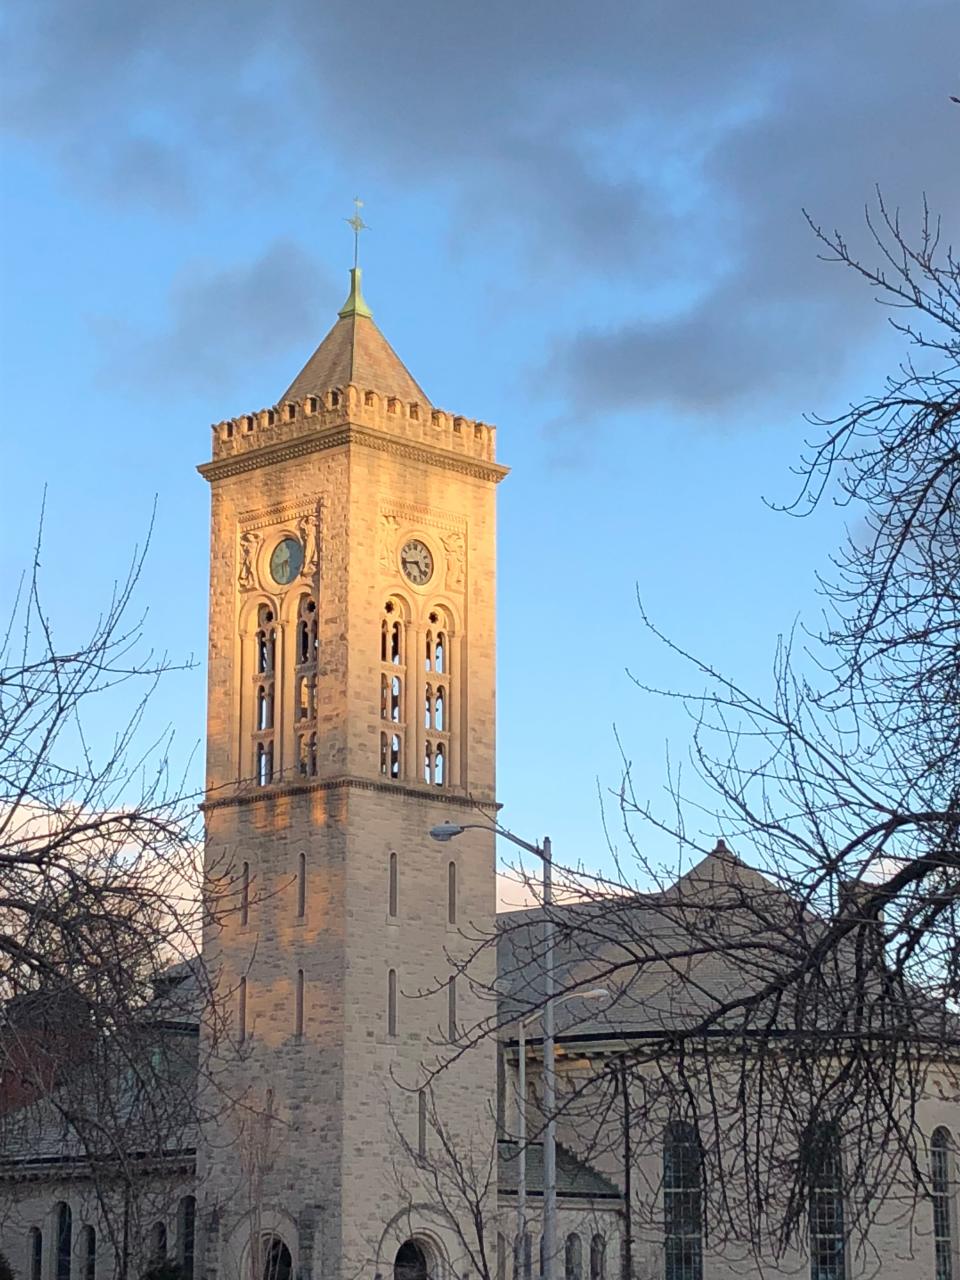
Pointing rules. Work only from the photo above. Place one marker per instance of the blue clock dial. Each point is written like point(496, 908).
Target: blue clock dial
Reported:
point(286, 561)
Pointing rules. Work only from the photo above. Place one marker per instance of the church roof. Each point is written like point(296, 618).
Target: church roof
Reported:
point(574, 1176)
point(355, 351)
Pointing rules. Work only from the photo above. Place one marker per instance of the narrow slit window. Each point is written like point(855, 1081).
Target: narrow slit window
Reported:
point(298, 1017)
point(392, 1002)
point(242, 1011)
point(186, 1235)
point(452, 1008)
point(301, 885)
point(422, 1123)
point(36, 1254)
point(452, 893)
point(245, 893)
point(64, 1241)
point(393, 889)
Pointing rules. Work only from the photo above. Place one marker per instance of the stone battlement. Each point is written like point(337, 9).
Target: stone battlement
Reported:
point(411, 421)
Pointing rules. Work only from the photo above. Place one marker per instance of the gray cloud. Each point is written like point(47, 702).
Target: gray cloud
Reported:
point(221, 320)
point(670, 146)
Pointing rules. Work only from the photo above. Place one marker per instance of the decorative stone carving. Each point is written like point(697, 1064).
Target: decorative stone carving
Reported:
point(453, 545)
point(249, 545)
point(389, 526)
point(311, 533)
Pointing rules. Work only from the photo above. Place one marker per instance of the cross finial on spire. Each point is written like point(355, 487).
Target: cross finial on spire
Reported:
point(358, 225)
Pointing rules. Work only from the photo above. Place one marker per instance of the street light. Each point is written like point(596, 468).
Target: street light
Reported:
point(598, 993)
point(447, 831)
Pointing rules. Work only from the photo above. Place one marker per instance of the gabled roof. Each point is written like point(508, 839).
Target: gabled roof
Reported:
point(355, 351)
point(574, 1176)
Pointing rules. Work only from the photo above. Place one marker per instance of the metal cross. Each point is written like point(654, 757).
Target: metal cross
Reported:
point(358, 225)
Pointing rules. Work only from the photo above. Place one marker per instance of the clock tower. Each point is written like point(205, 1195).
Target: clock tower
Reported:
point(351, 707)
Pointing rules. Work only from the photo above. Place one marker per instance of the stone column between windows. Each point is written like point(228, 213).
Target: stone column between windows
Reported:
point(407, 696)
point(454, 711)
point(282, 723)
point(418, 732)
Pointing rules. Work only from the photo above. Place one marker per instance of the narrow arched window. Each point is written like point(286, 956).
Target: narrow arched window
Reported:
point(298, 1013)
point(438, 701)
point(452, 1008)
point(186, 1235)
point(501, 1256)
point(64, 1221)
point(523, 1257)
point(264, 763)
point(158, 1242)
point(36, 1254)
point(392, 1002)
point(422, 1123)
point(392, 677)
point(451, 893)
point(245, 893)
point(242, 1011)
point(598, 1258)
point(393, 887)
point(682, 1203)
point(301, 885)
point(573, 1258)
point(88, 1253)
point(305, 685)
point(828, 1247)
point(944, 1209)
point(265, 656)
point(277, 1261)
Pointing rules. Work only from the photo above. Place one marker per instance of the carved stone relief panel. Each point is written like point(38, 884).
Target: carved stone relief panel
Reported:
point(259, 530)
point(399, 521)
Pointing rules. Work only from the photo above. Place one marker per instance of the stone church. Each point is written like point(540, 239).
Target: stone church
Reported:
point(351, 709)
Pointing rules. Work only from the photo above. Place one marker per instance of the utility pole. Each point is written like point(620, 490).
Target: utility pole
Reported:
point(627, 1175)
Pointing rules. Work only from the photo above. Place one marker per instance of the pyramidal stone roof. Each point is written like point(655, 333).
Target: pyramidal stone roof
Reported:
point(355, 351)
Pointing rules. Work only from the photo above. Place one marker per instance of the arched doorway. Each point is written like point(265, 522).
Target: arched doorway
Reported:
point(410, 1262)
point(277, 1262)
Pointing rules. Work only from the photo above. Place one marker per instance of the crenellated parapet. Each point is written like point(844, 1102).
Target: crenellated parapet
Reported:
point(412, 421)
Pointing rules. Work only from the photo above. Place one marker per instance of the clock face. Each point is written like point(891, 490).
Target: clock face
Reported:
point(286, 561)
point(417, 562)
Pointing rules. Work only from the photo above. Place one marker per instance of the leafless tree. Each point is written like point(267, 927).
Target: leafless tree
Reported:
point(809, 992)
point(100, 904)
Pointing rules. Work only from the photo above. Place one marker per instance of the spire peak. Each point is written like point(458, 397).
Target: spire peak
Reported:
point(356, 304)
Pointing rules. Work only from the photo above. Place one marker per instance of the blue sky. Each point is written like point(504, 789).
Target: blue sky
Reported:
point(586, 227)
